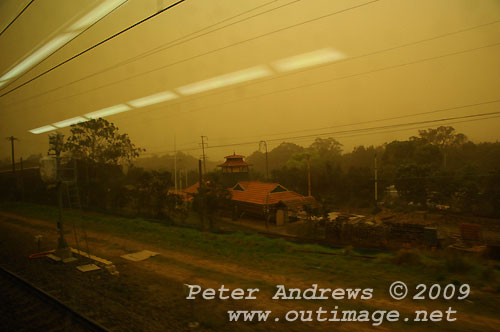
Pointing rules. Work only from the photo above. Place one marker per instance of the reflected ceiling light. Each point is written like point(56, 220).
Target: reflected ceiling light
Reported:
point(308, 59)
point(225, 80)
point(96, 14)
point(153, 99)
point(69, 122)
point(42, 129)
point(39, 55)
point(108, 111)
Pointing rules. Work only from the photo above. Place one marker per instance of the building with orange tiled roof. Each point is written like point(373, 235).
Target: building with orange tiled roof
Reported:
point(268, 199)
point(255, 198)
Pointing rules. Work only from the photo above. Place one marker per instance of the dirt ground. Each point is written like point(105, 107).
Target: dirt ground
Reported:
point(150, 295)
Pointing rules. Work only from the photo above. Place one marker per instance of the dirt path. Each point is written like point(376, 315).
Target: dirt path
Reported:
point(194, 269)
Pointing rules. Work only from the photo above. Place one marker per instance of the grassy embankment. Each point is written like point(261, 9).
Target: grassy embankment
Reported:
point(277, 256)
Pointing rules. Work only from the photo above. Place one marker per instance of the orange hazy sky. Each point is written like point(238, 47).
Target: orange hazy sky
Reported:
point(397, 59)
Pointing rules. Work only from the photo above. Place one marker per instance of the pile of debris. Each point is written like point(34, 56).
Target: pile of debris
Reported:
point(357, 230)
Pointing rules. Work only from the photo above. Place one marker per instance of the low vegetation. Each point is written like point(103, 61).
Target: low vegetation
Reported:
point(313, 262)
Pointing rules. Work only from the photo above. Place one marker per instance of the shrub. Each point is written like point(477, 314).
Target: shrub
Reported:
point(455, 262)
point(407, 257)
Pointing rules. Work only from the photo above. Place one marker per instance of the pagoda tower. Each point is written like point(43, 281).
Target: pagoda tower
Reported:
point(234, 169)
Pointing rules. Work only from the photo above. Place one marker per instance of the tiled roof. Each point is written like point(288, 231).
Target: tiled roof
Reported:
point(192, 189)
point(257, 192)
point(297, 203)
point(233, 163)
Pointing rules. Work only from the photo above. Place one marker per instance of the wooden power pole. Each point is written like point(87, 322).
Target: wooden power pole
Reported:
point(264, 144)
point(376, 179)
point(203, 155)
point(308, 175)
point(175, 167)
point(12, 139)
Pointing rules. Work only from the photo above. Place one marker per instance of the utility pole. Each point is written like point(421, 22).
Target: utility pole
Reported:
point(56, 142)
point(12, 139)
point(203, 155)
point(201, 195)
point(180, 179)
point(21, 180)
point(175, 166)
point(376, 179)
point(264, 143)
point(200, 173)
point(308, 175)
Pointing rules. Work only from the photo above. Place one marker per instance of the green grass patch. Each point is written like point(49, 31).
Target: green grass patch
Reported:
point(278, 256)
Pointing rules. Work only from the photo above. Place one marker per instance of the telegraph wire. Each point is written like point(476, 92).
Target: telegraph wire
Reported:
point(316, 83)
point(93, 46)
point(17, 16)
point(184, 40)
point(304, 70)
point(384, 119)
point(343, 77)
point(365, 129)
point(205, 53)
point(358, 57)
point(66, 43)
point(312, 138)
point(360, 131)
point(399, 130)
point(172, 43)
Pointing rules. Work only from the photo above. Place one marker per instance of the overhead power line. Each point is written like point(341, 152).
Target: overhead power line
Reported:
point(348, 76)
point(357, 56)
point(366, 129)
point(315, 83)
point(310, 139)
point(362, 131)
point(378, 120)
point(168, 45)
point(198, 34)
point(17, 16)
point(211, 51)
point(308, 69)
point(93, 46)
point(66, 43)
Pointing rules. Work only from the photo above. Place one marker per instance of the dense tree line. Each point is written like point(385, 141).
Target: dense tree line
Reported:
point(438, 169)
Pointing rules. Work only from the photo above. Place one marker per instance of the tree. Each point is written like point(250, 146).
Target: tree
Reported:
point(212, 197)
point(492, 193)
point(444, 137)
point(412, 183)
point(158, 188)
point(99, 141)
point(101, 147)
point(428, 154)
point(277, 157)
point(326, 146)
point(361, 157)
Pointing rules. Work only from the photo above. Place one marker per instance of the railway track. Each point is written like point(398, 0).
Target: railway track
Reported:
point(24, 307)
